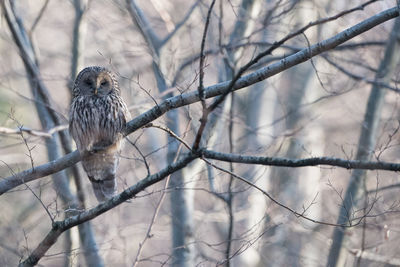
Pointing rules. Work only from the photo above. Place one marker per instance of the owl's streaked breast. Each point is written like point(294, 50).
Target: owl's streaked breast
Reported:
point(96, 120)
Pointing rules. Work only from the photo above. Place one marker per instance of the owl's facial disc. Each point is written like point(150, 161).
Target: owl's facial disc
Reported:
point(103, 84)
point(88, 85)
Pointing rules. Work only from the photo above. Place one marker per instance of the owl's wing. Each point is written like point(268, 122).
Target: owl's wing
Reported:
point(79, 125)
point(73, 130)
point(124, 115)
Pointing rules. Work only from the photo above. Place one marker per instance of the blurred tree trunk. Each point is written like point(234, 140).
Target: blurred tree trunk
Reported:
point(366, 145)
point(49, 120)
point(60, 179)
point(260, 104)
point(244, 26)
point(298, 187)
point(183, 250)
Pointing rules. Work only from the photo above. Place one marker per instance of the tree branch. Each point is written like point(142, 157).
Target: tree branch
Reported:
point(180, 24)
point(48, 134)
point(43, 170)
point(307, 162)
point(59, 227)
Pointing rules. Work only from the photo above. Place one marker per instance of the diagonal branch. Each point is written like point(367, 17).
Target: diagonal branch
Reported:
point(352, 31)
point(144, 26)
point(40, 171)
point(59, 227)
point(268, 51)
point(211, 91)
point(180, 24)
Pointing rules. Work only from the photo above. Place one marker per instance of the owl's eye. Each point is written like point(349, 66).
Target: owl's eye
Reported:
point(104, 83)
point(88, 82)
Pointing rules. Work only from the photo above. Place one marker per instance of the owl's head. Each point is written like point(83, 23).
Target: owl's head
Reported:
point(95, 81)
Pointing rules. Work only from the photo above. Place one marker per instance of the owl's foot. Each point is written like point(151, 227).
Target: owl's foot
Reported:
point(100, 146)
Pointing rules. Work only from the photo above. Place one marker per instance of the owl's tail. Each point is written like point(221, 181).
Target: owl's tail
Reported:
point(101, 169)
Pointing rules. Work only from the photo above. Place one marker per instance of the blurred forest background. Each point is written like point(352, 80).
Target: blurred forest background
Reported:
point(341, 105)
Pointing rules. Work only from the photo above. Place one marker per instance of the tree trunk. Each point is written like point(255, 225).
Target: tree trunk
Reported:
point(366, 146)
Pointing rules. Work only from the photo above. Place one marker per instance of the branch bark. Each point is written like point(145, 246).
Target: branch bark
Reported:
point(307, 162)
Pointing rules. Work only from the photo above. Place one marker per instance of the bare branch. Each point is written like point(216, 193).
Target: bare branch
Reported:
point(40, 171)
point(180, 24)
point(359, 77)
point(307, 162)
point(202, 56)
point(47, 134)
point(39, 16)
point(200, 89)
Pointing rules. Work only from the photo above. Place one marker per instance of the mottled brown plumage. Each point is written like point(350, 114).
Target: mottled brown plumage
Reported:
point(98, 115)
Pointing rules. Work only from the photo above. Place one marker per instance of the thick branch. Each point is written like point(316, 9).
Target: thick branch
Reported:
point(265, 72)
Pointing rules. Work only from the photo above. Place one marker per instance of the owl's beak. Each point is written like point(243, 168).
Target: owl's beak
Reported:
point(95, 91)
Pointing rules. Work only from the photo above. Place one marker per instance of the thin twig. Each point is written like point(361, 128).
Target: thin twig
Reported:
point(200, 89)
point(141, 154)
point(170, 132)
point(297, 214)
point(161, 200)
point(39, 16)
point(360, 77)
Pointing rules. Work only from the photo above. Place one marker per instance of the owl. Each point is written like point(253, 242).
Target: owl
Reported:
point(98, 116)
